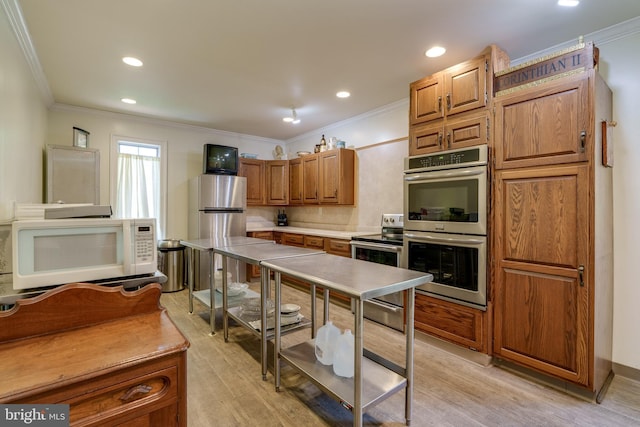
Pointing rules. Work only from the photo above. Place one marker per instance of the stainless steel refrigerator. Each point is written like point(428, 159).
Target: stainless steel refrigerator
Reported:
point(217, 207)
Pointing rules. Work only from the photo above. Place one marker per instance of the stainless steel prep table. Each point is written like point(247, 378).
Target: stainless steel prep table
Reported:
point(375, 378)
point(256, 255)
point(208, 297)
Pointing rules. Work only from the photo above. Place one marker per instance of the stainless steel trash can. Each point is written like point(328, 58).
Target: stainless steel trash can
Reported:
point(171, 263)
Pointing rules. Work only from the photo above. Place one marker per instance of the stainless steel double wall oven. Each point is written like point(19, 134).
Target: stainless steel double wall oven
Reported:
point(445, 223)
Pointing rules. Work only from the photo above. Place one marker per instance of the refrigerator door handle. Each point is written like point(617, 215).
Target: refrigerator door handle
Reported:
point(217, 210)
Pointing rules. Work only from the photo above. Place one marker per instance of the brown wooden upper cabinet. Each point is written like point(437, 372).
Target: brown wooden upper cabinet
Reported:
point(267, 181)
point(449, 109)
point(336, 177)
point(254, 171)
point(310, 172)
point(277, 182)
point(320, 178)
point(543, 126)
point(328, 177)
point(458, 132)
point(460, 88)
point(295, 181)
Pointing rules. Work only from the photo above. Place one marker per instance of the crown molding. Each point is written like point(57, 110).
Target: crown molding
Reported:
point(403, 103)
point(160, 122)
point(599, 38)
point(19, 27)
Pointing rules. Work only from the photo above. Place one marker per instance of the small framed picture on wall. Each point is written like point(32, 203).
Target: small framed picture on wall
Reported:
point(80, 138)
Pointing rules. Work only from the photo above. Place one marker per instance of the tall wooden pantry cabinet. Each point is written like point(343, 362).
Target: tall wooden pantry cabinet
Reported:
point(553, 243)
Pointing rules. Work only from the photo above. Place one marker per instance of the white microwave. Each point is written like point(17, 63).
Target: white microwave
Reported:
point(58, 251)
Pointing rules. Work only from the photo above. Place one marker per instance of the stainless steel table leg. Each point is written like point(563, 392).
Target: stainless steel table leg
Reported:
point(191, 253)
point(326, 306)
point(212, 297)
point(276, 342)
point(225, 303)
point(357, 365)
point(313, 310)
point(264, 296)
point(409, 350)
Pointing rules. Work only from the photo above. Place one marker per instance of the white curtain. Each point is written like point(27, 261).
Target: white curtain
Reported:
point(138, 182)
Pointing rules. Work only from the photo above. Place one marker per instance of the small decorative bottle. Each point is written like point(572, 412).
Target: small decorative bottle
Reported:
point(323, 144)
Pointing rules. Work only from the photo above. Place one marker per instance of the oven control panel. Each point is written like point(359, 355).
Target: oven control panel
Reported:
point(447, 159)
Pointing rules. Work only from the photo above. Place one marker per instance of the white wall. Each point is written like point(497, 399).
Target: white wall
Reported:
point(619, 66)
point(383, 124)
point(185, 146)
point(23, 121)
point(380, 140)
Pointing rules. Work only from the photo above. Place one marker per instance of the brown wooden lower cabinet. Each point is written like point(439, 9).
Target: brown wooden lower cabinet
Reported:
point(452, 322)
point(337, 247)
point(114, 357)
point(293, 239)
point(314, 242)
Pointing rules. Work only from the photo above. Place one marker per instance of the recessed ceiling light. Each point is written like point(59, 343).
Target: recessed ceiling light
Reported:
point(128, 100)
point(343, 94)
point(570, 3)
point(130, 60)
point(435, 52)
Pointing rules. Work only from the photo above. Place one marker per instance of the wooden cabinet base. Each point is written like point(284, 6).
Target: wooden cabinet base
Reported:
point(114, 357)
point(452, 322)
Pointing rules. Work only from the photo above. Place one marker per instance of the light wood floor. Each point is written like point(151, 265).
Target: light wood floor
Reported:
point(225, 387)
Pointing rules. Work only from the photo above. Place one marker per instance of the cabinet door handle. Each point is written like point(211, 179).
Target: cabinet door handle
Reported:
point(136, 392)
point(449, 139)
point(583, 140)
point(439, 103)
point(448, 102)
point(581, 274)
point(439, 139)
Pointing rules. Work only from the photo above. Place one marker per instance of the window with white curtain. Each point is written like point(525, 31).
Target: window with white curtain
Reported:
point(138, 179)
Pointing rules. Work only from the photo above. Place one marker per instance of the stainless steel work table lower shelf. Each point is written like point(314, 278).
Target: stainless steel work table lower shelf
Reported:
point(236, 313)
point(256, 255)
point(204, 297)
point(361, 281)
point(378, 381)
point(208, 245)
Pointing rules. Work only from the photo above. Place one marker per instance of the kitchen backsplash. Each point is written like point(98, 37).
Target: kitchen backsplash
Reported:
point(5, 248)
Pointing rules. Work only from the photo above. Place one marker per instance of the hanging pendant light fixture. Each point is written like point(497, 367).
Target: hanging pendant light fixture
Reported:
point(293, 119)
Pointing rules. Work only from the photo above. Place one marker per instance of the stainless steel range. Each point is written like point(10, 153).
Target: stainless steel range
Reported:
point(383, 248)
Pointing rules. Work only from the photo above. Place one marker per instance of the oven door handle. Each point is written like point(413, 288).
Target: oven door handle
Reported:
point(379, 246)
point(466, 240)
point(444, 174)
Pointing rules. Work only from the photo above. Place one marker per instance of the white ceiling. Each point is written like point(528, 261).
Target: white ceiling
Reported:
point(240, 65)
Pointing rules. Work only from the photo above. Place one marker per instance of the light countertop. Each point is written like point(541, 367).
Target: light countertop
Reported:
point(346, 235)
